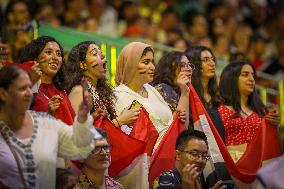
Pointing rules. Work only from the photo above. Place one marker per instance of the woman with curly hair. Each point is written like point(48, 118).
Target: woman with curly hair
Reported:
point(171, 75)
point(51, 96)
point(86, 60)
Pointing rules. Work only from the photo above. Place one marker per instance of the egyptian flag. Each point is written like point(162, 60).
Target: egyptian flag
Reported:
point(144, 130)
point(244, 171)
point(163, 159)
point(130, 153)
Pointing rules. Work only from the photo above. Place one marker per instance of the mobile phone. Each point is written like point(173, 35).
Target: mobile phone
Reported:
point(229, 184)
point(135, 104)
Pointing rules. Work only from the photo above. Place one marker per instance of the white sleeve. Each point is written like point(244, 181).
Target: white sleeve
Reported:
point(76, 142)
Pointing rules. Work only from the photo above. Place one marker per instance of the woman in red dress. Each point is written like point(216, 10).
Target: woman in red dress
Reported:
point(51, 97)
point(247, 122)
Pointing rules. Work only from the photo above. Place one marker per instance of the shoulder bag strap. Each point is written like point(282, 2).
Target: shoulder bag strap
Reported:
point(17, 161)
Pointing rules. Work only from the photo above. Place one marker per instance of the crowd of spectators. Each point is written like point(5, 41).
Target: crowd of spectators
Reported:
point(250, 28)
point(207, 35)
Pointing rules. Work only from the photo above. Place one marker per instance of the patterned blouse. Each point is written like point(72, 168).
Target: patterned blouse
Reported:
point(169, 95)
point(85, 183)
point(98, 103)
point(239, 130)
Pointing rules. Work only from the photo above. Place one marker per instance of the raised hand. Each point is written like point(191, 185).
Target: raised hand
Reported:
point(182, 116)
point(190, 177)
point(182, 81)
point(98, 113)
point(87, 103)
point(35, 72)
point(4, 51)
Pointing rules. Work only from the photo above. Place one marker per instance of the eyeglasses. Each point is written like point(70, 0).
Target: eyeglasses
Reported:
point(208, 59)
point(184, 65)
point(98, 149)
point(195, 155)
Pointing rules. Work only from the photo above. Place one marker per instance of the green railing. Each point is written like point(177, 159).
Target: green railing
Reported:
point(111, 47)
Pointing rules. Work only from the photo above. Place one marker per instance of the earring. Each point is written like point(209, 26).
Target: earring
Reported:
point(83, 66)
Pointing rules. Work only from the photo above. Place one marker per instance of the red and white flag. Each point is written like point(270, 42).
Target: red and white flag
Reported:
point(130, 153)
point(265, 146)
point(163, 159)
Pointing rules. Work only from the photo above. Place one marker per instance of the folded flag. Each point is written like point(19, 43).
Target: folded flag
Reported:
point(130, 153)
point(163, 159)
point(265, 146)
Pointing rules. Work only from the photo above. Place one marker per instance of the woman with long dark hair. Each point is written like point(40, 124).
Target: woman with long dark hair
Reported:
point(242, 111)
point(204, 81)
point(172, 74)
point(246, 119)
point(51, 97)
point(86, 60)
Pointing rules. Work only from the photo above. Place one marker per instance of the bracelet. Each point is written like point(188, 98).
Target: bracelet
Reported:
point(117, 122)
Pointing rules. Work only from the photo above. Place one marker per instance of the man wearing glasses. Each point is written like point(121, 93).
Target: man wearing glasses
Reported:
point(95, 166)
point(191, 157)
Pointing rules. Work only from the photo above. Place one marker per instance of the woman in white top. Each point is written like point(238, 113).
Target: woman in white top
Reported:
point(135, 69)
point(31, 141)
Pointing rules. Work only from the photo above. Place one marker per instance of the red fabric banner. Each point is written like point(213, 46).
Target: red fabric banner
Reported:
point(144, 130)
point(163, 159)
point(125, 148)
point(27, 65)
point(265, 146)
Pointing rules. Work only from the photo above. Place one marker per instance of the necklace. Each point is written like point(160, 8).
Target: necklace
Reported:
point(93, 185)
point(95, 96)
point(143, 92)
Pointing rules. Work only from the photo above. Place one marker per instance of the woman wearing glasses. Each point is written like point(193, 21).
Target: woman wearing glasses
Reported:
point(204, 81)
point(95, 166)
point(172, 74)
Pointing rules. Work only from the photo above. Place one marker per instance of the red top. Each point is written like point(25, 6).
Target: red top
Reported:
point(65, 112)
point(239, 130)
